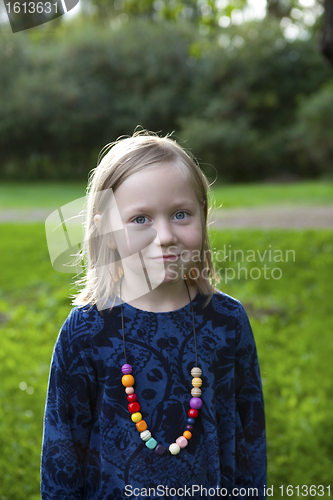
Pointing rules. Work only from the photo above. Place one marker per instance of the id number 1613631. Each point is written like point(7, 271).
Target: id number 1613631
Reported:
point(32, 7)
point(305, 490)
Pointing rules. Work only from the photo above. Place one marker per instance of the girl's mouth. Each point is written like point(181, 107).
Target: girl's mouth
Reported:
point(167, 257)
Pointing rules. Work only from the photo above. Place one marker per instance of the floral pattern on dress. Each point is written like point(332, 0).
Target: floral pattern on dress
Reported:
point(91, 448)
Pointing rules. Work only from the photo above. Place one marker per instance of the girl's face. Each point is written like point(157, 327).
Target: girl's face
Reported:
point(162, 220)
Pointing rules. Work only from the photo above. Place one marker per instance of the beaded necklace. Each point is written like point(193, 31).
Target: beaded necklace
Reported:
point(134, 406)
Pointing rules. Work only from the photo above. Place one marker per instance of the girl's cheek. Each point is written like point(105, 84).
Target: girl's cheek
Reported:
point(193, 237)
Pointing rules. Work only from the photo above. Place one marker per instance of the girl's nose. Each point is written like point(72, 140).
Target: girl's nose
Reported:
point(165, 234)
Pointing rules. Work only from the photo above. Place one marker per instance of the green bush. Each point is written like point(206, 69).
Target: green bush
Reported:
point(246, 99)
point(313, 132)
point(82, 89)
point(232, 96)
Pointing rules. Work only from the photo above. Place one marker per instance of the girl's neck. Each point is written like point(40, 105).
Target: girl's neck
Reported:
point(166, 297)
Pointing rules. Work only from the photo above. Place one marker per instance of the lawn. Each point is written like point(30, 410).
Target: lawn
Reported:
point(255, 195)
point(41, 195)
point(289, 304)
point(53, 195)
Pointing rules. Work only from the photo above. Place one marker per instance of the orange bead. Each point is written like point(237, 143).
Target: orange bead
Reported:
point(127, 380)
point(187, 434)
point(141, 426)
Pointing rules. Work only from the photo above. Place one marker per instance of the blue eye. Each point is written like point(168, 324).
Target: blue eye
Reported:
point(180, 215)
point(141, 219)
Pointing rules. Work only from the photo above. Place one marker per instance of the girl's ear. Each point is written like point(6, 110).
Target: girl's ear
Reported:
point(111, 242)
point(96, 220)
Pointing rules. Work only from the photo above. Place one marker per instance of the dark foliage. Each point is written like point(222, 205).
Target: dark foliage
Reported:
point(233, 97)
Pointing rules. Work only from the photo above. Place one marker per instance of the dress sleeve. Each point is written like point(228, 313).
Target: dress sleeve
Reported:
point(68, 414)
point(251, 433)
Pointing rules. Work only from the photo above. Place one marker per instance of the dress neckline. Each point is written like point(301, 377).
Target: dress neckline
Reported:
point(174, 311)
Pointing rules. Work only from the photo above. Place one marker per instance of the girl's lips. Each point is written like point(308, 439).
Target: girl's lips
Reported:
point(171, 257)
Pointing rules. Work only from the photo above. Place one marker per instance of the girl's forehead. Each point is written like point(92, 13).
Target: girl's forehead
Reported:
point(161, 185)
point(157, 176)
point(167, 168)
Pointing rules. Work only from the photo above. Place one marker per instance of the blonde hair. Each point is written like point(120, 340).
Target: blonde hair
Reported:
point(121, 159)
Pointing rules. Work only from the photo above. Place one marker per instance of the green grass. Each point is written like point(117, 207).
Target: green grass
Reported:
point(254, 195)
point(39, 195)
point(291, 319)
point(33, 305)
point(53, 195)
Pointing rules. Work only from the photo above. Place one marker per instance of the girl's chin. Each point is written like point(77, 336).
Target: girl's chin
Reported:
point(173, 277)
point(158, 274)
point(170, 272)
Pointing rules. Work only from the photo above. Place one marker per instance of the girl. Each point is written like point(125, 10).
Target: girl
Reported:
point(154, 388)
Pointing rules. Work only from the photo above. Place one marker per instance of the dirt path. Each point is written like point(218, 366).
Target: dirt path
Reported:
point(19, 215)
point(260, 217)
point(275, 217)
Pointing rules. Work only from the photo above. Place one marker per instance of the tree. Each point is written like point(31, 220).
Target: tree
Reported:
point(326, 44)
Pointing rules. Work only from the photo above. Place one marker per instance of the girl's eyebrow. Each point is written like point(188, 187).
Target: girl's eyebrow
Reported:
point(183, 201)
point(135, 210)
point(175, 204)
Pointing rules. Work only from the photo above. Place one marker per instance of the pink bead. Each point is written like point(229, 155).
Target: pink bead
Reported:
point(182, 442)
point(126, 369)
point(129, 390)
point(196, 403)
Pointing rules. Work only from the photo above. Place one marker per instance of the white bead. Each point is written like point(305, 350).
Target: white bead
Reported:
point(196, 392)
point(196, 372)
point(174, 448)
point(145, 435)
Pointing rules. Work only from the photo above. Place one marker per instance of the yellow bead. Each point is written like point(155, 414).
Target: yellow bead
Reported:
point(196, 392)
point(127, 380)
point(136, 417)
point(197, 382)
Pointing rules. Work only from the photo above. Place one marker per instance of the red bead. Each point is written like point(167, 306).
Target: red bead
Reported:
point(131, 398)
point(193, 413)
point(133, 407)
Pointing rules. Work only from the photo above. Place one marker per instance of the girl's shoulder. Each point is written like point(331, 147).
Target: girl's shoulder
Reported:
point(224, 303)
point(231, 311)
point(84, 315)
point(80, 324)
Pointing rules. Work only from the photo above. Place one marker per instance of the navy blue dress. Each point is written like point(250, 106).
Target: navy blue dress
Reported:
point(91, 448)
